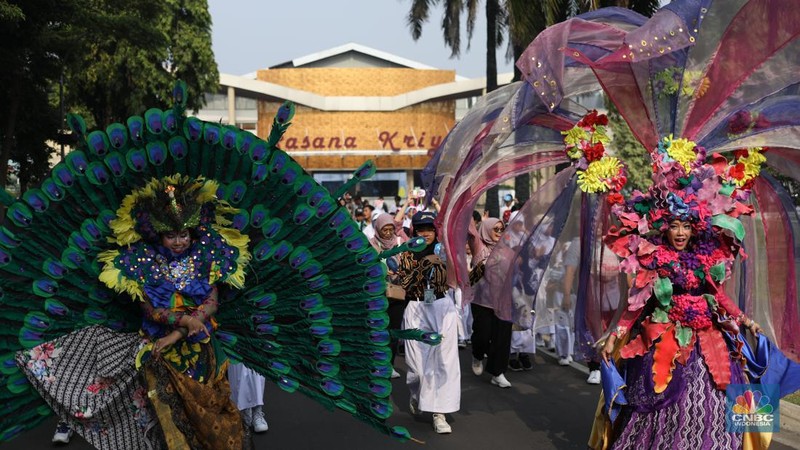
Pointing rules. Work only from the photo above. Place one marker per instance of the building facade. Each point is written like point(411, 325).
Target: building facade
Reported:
point(353, 104)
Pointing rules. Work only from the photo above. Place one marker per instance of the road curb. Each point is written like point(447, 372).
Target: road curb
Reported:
point(789, 433)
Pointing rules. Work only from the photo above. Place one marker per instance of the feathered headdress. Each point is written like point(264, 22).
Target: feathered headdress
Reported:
point(167, 204)
point(172, 207)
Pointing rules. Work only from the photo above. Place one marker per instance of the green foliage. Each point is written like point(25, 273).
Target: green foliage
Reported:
point(451, 20)
point(115, 58)
point(35, 46)
point(791, 185)
point(793, 398)
point(10, 12)
point(132, 65)
point(627, 148)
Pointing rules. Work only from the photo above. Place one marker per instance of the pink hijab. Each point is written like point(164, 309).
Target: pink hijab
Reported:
point(380, 243)
point(487, 243)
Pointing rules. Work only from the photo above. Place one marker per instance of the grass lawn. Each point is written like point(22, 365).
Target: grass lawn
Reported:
point(794, 398)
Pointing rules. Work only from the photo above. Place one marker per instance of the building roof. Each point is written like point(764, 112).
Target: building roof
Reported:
point(357, 52)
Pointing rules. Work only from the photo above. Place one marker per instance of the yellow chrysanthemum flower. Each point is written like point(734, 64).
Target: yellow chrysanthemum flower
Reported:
point(752, 165)
point(691, 79)
point(594, 178)
point(600, 135)
point(682, 150)
point(574, 136)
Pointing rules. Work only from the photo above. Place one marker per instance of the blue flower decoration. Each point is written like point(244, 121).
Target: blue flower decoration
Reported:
point(676, 205)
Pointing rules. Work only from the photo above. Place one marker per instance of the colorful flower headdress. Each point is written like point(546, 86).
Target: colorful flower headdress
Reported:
point(688, 188)
point(585, 145)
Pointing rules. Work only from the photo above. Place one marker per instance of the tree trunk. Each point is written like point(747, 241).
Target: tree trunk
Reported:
point(10, 128)
point(492, 202)
point(492, 9)
point(522, 183)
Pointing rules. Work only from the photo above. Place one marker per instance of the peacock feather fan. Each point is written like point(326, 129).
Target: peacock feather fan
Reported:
point(304, 306)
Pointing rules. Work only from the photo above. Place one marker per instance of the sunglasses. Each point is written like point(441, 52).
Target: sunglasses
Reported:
point(499, 229)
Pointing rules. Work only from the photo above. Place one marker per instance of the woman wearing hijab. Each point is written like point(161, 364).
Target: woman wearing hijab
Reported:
point(434, 374)
point(491, 337)
point(389, 235)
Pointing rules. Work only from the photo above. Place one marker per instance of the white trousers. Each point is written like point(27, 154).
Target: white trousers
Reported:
point(247, 386)
point(464, 323)
point(434, 373)
point(523, 342)
point(565, 330)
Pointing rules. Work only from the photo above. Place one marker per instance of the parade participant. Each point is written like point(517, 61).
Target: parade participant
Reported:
point(170, 270)
point(388, 236)
point(123, 298)
point(491, 337)
point(368, 227)
point(659, 392)
point(564, 317)
point(434, 374)
point(247, 392)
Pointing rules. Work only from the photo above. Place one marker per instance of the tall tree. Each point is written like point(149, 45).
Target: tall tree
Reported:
point(35, 36)
point(630, 150)
point(116, 58)
point(133, 65)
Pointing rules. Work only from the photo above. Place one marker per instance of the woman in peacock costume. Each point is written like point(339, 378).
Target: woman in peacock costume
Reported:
point(702, 78)
point(163, 248)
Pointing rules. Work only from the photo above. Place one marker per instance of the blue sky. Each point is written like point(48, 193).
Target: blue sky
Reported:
point(250, 34)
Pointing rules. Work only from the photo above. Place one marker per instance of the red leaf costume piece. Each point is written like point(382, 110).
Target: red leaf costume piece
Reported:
point(666, 350)
point(715, 353)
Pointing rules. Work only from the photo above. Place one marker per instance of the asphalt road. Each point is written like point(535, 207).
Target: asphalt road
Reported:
point(549, 407)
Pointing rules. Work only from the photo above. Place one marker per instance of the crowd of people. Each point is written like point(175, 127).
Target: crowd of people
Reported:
point(421, 298)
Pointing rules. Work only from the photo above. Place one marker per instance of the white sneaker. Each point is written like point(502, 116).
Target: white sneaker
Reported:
point(440, 424)
point(501, 381)
point(63, 433)
point(259, 421)
point(564, 361)
point(594, 377)
point(395, 374)
point(477, 366)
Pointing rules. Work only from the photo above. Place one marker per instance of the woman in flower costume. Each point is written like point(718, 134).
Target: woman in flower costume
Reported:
point(682, 331)
point(697, 81)
point(713, 75)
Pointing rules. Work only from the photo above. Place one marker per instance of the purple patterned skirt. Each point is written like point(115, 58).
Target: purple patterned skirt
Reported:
point(689, 414)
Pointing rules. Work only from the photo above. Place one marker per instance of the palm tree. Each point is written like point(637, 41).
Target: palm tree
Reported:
point(451, 20)
point(523, 20)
